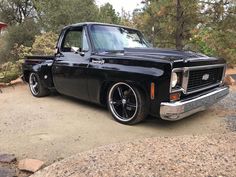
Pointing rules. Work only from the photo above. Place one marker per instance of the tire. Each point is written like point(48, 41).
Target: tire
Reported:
point(36, 87)
point(127, 103)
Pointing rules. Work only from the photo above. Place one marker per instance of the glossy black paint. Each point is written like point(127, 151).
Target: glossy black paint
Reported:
point(89, 75)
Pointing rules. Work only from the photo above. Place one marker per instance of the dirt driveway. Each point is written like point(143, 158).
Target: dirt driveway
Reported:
point(56, 127)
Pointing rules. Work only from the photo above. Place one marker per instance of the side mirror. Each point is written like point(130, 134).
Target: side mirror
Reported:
point(78, 50)
point(75, 49)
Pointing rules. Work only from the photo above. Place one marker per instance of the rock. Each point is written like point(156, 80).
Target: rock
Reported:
point(31, 165)
point(7, 158)
point(17, 81)
point(13, 82)
point(7, 172)
point(229, 80)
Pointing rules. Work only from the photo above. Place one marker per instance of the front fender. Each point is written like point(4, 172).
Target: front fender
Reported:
point(140, 74)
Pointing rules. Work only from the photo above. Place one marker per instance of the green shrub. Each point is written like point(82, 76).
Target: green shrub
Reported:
point(44, 44)
point(18, 34)
point(10, 71)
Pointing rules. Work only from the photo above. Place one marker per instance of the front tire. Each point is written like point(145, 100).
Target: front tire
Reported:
point(127, 103)
point(36, 87)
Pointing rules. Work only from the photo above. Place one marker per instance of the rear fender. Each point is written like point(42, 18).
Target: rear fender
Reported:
point(43, 69)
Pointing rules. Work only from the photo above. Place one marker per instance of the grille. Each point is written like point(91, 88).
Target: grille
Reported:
point(199, 79)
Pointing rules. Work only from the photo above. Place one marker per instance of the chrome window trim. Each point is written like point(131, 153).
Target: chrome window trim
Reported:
point(185, 71)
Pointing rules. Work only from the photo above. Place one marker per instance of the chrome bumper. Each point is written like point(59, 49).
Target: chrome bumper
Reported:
point(184, 108)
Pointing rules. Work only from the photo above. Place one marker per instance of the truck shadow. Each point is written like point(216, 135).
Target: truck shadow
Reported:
point(202, 120)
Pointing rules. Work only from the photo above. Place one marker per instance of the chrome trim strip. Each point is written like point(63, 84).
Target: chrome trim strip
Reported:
point(206, 66)
point(185, 78)
point(173, 111)
point(204, 88)
point(223, 75)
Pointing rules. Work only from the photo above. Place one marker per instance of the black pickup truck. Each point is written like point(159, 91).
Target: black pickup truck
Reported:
point(115, 66)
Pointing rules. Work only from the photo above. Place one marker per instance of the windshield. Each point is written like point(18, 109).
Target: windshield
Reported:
point(111, 38)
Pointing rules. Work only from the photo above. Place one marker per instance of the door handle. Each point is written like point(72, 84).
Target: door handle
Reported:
point(59, 60)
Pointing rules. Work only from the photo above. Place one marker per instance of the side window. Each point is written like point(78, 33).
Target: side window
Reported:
point(75, 38)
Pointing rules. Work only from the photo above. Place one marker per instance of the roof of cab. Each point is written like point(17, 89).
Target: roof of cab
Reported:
point(96, 23)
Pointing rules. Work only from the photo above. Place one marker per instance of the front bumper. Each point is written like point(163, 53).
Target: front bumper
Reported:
point(184, 108)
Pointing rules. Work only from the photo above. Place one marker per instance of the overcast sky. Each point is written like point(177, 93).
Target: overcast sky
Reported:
point(127, 5)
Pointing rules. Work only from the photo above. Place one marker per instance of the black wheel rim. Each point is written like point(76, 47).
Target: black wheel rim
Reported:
point(123, 102)
point(34, 85)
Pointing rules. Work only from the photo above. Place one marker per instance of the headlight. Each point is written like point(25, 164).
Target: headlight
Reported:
point(174, 79)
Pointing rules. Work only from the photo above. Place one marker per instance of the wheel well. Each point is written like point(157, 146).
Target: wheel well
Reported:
point(144, 91)
point(104, 92)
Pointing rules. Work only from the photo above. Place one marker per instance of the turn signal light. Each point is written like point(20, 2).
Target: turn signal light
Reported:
point(152, 91)
point(175, 96)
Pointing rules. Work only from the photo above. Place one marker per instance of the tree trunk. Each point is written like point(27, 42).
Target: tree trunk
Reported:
point(179, 26)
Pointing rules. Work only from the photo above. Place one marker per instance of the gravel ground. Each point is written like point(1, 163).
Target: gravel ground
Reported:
point(229, 103)
point(234, 76)
point(189, 155)
point(53, 135)
point(227, 109)
point(231, 123)
point(212, 155)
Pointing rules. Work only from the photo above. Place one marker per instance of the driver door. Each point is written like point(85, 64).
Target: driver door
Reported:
point(70, 66)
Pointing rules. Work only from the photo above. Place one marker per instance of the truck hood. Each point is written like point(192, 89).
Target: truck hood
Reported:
point(167, 54)
point(177, 58)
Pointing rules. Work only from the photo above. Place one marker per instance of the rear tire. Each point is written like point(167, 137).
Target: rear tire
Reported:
point(127, 103)
point(36, 87)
